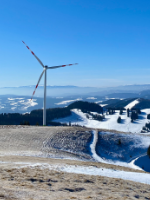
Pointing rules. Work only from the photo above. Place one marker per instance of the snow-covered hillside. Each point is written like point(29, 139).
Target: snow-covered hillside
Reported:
point(121, 147)
point(110, 121)
point(132, 104)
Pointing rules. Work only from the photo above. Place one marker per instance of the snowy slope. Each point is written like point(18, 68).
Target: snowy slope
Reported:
point(110, 121)
point(143, 162)
point(132, 146)
point(129, 153)
point(132, 104)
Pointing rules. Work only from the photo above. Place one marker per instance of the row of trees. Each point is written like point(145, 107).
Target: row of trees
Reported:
point(148, 116)
point(36, 116)
point(133, 114)
point(147, 125)
point(98, 117)
point(33, 118)
point(86, 107)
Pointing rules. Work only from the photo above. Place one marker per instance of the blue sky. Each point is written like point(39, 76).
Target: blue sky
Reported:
point(110, 39)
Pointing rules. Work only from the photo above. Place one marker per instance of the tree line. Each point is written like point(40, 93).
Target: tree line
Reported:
point(85, 106)
point(35, 117)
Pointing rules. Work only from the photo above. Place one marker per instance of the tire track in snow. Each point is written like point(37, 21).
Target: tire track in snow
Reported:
point(93, 146)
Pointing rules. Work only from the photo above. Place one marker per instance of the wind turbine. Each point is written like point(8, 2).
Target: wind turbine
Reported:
point(45, 77)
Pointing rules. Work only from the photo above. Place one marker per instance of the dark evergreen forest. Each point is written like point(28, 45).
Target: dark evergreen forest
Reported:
point(86, 106)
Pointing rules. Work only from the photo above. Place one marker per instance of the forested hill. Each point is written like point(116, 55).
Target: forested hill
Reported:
point(36, 116)
point(86, 106)
point(120, 103)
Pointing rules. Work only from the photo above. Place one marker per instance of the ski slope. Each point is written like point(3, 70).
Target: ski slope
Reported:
point(67, 101)
point(132, 104)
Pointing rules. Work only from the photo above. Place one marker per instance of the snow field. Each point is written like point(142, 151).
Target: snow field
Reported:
point(114, 162)
point(137, 147)
point(143, 162)
point(132, 104)
point(132, 176)
point(110, 121)
point(93, 146)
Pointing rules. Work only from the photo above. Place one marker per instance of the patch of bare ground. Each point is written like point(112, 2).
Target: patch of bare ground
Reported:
point(34, 183)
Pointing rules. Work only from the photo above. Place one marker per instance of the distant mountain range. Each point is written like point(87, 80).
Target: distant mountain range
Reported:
point(127, 91)
point(131, 103)
point(17, 99)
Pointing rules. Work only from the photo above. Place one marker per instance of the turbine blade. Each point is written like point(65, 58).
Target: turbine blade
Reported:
point(34, 54)
point(38, 83)
point(54, 67)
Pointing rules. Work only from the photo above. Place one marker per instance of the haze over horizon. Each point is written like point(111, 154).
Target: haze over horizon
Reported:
point(41, 85)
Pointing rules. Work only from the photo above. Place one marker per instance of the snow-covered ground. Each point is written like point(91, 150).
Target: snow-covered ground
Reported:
point(143, 162)
point(102, 105)
point(110, 121)
point(132, 176)
point(132, 104)
point(130, 152)
point(91, 170)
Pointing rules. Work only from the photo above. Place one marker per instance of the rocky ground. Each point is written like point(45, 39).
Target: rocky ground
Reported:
point(24, 151)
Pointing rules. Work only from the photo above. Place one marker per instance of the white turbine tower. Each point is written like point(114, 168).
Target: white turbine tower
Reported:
point(45, 76)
